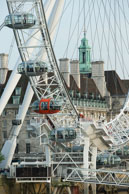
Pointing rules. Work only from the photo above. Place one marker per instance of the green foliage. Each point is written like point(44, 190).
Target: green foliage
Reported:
point(1, 157)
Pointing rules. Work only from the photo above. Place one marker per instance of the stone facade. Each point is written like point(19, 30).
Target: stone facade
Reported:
point(92, 91)
point(87, 99)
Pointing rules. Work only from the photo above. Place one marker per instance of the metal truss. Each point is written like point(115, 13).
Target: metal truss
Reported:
point(117, 130)
point(35, 45)
point(103, 177)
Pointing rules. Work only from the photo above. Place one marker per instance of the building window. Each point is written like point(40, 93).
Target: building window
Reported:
point(87, 54)
point(16, 99)
point(16, 112)
point(28, 134)
point(83, 57)
point(4, 134)
point(4, 113)
point(28, 148)
point(18, 91)
point(17, 149)
point(28, 122)
point(4, 123)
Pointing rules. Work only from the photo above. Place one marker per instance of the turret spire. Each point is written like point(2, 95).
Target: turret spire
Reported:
point(84, 51)
point(84, 19)
point(84, 56)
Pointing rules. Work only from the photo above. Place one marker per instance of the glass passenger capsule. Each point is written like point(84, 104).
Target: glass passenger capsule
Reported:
point(31, 68)
point(63, 135)
point(20, 21)
point(46, 106)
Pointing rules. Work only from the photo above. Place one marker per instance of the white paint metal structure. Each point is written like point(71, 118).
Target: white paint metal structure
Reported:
point(115, 132)
point(118, 128)
point(40, 87)
point(103, 177)
point(10, 145)
point(14, 78)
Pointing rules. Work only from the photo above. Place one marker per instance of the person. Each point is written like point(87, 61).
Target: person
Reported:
point(51, 105)
point(24, 21)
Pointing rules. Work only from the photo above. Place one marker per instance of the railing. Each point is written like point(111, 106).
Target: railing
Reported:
point(65, 157)
point(116, 178)
point(90, 103)
point(33, 179)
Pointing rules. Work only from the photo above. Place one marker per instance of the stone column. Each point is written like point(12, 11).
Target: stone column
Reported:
point(99, 77)
point(64, 69)
point(74, 70)
point(3, 67)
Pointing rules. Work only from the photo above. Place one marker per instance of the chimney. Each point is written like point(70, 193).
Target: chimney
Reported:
point(3, 67)
point(99, 77)
point(64, 69)
point(74, 70)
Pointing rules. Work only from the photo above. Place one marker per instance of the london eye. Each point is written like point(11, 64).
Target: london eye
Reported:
point(44, 31)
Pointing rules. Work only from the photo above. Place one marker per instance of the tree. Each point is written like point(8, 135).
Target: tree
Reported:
point(1, 157)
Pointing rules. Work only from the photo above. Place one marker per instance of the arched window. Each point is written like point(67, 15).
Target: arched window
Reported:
point(83, 57)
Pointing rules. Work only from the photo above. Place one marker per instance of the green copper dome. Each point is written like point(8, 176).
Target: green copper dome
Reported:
point(84, 57)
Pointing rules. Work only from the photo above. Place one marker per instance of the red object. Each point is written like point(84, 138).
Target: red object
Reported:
point(81, 115)
point(48, 110)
